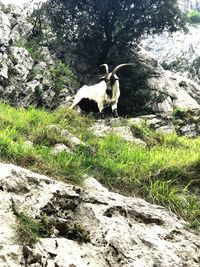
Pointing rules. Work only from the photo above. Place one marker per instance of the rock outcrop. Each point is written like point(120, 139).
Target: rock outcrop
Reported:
point(89, 227)
point(26, 74)
point(170, 89)
point(183, 123)
point(178, 52)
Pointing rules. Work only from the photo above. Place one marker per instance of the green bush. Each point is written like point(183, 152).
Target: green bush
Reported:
point(62, 76)
point(194, 16)
point(33, 48)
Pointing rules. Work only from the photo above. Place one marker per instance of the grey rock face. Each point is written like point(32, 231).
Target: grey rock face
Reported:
point(22, 62)
point(119, 231)
point(25, 81)
point(172, 90)
point(178, 51)
point(5, 29)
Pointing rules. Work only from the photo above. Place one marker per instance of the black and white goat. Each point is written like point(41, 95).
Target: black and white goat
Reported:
point(105, 93)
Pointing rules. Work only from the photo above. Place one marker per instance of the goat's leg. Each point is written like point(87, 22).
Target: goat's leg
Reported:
point(114, 110)
point(101, 107)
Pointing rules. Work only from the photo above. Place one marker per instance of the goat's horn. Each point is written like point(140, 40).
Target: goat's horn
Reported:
point(106, 67)
point(119, 67)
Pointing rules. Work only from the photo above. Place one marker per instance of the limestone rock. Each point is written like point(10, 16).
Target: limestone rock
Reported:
point(122, 231)
point(172, 89)
point(5, 29)
point(72, 138)
point(58, 148)
point(23, 61)
point(104, 127)
point(189, 130)
point(25, 79)
point(178, 51)
point(169, 124)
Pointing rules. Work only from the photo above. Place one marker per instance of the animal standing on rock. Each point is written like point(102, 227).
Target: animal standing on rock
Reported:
point(105, 93)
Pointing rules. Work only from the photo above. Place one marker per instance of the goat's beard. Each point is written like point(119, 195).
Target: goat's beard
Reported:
point(109, 92)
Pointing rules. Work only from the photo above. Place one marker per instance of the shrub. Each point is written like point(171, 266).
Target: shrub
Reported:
point(62, 76)
point(33, 48)
point(194, 16)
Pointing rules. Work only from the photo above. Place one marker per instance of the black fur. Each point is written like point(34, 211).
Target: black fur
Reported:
point(109, 93)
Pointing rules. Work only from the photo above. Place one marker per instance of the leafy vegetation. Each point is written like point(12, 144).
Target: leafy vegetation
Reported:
point(194, 16)
point(62, 75)
point(165, 172)
point(34, 50)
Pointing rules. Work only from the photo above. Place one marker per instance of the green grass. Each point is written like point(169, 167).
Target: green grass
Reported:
point(166, 172)
point(29, 229)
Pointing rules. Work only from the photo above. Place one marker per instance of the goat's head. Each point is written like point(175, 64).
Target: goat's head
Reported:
point(111, 78)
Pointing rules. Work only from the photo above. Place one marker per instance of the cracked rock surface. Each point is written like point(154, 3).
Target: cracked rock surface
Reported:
point(113, 230)
point(178, 51)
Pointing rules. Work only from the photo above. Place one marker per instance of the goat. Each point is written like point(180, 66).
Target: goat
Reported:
point(105, 93)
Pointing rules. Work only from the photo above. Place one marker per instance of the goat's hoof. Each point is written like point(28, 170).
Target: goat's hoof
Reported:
point(102, 116)
point(115, 114)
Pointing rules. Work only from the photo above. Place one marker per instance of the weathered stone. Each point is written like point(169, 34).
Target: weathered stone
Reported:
point(167, 129)
point(103, 128)
point(59, 148)
point(5, 29)
point(72, 138)
point(189, 130)
point(11, 255)
point(178, 51)
point(167, 124)
point(23, 61)
point(28, 144)
point(31, 81)
point(123, 231)
point(3, 70)
point(173, 89)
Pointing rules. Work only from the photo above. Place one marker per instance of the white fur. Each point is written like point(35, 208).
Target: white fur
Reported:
point(98, 93)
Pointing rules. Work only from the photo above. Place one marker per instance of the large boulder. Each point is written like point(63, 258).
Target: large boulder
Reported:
point(170, 89)
point(89, 227)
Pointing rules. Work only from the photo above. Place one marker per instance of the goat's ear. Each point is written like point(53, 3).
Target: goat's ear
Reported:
point(102, 78)
point(115, 77)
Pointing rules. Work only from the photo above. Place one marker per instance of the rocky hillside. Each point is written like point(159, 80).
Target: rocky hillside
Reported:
point(29, 75)
point(168, 90)
point(53, 210)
